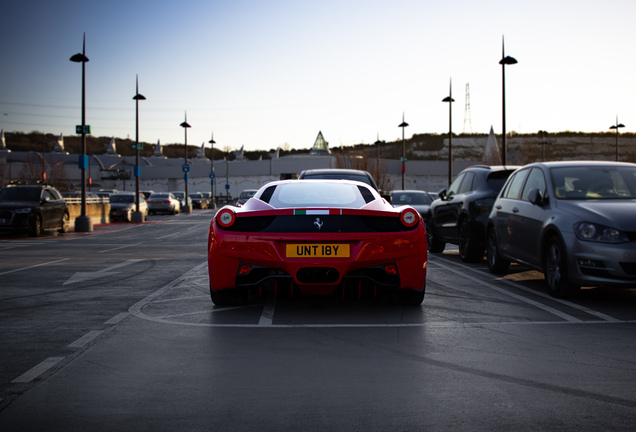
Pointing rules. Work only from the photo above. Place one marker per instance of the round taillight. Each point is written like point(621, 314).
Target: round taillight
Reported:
point(409, 217)
point(225, 218)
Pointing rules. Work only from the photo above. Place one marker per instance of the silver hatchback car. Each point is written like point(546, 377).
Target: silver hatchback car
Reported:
point(575, 221)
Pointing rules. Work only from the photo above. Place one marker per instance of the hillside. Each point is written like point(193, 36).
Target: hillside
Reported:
point(522, 148)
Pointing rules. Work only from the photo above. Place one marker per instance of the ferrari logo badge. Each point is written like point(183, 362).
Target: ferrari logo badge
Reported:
point(318, 223)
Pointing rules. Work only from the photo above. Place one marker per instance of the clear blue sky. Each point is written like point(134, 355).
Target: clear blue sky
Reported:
point(266, 73)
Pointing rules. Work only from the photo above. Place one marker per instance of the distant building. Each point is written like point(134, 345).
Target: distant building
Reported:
point(158, 151)
point(321, 147)
point(3, 143)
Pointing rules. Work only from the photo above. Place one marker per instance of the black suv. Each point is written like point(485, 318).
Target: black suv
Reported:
point(339, 174)
point(34, 208)
point(460, 214)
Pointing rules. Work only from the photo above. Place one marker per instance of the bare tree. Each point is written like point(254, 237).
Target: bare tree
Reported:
point(352, 158)
point(32, 169)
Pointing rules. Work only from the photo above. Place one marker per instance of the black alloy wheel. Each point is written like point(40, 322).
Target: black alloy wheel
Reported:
point(555, 269)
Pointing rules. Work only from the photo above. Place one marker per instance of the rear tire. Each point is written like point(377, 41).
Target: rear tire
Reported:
point(406, 297)
point(36, 226)
point(555, 270)
point(64, 223)
point(496, 263)
point(229, 297)
point(469, 250)
point(433, 244)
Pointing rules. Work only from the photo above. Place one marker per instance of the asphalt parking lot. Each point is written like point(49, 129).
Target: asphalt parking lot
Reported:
point(115, 330)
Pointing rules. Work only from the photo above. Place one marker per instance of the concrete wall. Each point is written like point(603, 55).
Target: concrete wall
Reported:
point(97, 212)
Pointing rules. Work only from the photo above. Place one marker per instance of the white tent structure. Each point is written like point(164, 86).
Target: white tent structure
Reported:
point(491, 153)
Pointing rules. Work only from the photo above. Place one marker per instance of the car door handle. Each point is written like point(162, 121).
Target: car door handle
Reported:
point(498, 207)
point(515, 210)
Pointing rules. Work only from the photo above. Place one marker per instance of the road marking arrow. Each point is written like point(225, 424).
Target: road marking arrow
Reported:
point(108, 271)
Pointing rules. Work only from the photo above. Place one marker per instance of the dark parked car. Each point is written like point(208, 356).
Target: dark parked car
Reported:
point(244, 196)
point(419, 200)
point(574, 221)
point(199, 201)
point(34, 208)
point(123, 204)
point(181, 196)
point(339, 174)
point(460, 213)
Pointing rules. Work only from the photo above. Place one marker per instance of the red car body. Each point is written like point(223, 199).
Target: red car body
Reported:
point(309, 237)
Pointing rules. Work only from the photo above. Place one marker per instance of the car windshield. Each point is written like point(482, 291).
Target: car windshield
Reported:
point(316, 194)
point(410, 198)
point(20, 194)
point(594, 182)
point(122, 198)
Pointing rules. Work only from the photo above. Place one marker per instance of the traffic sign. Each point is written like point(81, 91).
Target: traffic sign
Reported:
point(212, 175)
point(227, 187)
point(136, 146)
point(85, 128)
point(185, 168)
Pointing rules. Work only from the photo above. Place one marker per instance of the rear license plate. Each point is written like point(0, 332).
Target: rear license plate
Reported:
point(317, 251)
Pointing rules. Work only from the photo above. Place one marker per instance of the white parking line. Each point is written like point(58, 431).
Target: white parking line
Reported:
point(117, 248)
point(540, 294)
point(85, 339)
point(34, 266)
point(169, 235)
point(38, 370)
point(513, 295)
point(267, 316)
point(117, 318)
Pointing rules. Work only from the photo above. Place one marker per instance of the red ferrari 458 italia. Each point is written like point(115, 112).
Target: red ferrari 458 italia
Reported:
point(319, 238)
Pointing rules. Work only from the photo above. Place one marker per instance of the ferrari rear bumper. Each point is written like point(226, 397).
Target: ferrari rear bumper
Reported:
point(317, 280)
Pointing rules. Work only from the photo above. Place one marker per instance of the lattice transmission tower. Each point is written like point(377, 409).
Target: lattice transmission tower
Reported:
point(467, 119)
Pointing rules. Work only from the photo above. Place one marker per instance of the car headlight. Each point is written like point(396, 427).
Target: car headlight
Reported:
point(599, 233)
point(23, 210)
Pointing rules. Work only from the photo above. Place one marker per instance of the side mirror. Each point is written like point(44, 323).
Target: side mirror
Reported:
point(442, 194)
point(534, 196)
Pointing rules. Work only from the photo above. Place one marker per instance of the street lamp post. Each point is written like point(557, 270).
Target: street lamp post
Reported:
point(212, 174)
point(83, 223)
point(227, 175)
point(43, 161)
point(505, 60)
point(543, 143)
point(450, 101)
point(377, 159)
point(137, 216)
point(403, 160)
point(186, 166)
point(617, 126)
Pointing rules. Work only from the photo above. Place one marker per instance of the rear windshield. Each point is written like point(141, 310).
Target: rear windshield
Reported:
point(497, 179)
point(20, 194)
point(316, 194)
point(122, 198)
point(409, 198)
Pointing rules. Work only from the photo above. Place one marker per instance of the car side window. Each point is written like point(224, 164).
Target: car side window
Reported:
point(536, 180)
point(513, 190)
point(47, 196)
point(468, 183)
point(454, 187)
